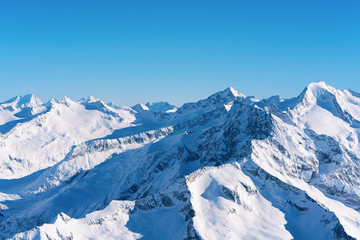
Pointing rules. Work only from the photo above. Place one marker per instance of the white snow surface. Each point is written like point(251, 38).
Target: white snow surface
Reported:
point(225, 167)
point(250, 216)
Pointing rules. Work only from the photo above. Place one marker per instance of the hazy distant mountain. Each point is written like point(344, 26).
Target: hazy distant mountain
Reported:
point(225, 167)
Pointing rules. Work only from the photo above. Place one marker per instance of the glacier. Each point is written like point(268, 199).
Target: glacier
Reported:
point(226, 167)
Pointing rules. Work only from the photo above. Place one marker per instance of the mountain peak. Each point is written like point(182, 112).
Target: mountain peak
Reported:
point(154, 106)
point(28, 100)
point(234, 92)
point(89, 99)
point(65, 100)
point(315, 90)
point(227, 95)
point(159, 106)
point(140, 107)
point(320, 86)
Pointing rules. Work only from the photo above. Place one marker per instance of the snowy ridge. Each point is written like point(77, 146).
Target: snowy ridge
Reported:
point(226, 167)
point(108, 223)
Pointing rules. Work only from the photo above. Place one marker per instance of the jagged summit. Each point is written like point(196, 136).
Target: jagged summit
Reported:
point(91, 102)
point(227, 95)
point(89, 99)
point(220, 100)
point(28, 100)
point(66, 99)
point(21, 107)
point(234, 92)
point(140, 107)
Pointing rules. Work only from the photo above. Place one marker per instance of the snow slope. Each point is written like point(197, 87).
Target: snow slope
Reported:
point(225, 167)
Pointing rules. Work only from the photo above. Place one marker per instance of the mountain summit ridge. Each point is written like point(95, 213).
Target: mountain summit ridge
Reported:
point(217, 168)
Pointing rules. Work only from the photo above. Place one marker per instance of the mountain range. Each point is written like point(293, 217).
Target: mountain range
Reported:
point(226, 167)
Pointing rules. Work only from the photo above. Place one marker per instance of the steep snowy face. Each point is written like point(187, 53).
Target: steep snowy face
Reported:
point(225, 167)
point(328, 118)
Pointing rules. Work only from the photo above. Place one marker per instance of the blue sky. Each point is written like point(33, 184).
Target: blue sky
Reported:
point(178, 51)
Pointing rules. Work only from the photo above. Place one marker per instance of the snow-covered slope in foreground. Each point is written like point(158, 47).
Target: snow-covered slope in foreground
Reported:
point(225, 167)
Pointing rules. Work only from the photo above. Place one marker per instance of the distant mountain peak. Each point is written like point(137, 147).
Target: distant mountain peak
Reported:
point(154, 106)
point(23, 100)
point(26, 104)
point(159, 106)
point(66, 99)
point(140, 107)
point(89, 99)
point(30, 98)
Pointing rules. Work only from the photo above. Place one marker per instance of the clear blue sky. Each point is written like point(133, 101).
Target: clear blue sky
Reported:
point(134, 51)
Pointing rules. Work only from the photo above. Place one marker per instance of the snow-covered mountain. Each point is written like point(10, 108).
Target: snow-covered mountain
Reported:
point(226, 167)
